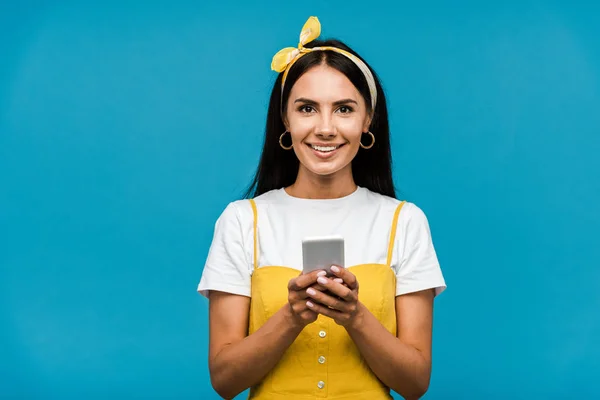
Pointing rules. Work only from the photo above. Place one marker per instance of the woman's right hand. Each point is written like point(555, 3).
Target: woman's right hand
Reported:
point(301, 314)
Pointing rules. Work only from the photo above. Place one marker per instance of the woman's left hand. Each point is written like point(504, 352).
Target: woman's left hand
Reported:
point(344, 308)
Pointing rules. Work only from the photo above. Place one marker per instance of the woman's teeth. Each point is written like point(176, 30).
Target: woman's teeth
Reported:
point(324, 149)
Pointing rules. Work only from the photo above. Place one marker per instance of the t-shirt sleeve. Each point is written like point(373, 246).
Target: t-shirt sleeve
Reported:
point(227, 268)
point(418, 267)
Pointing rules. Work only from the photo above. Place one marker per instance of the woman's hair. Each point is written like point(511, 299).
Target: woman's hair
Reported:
point(371, 168)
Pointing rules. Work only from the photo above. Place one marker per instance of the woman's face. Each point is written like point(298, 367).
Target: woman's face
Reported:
point(326, 116)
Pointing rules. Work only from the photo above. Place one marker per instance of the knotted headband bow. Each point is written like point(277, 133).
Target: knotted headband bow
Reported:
point(285, 58)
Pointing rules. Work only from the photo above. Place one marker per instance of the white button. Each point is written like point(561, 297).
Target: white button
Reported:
point(321, 360)
point(322, 333)
point(321, 384)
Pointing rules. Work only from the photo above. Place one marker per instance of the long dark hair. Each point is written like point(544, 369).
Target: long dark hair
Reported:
point(371, 168)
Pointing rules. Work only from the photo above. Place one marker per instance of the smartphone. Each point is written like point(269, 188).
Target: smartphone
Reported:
point(321, 252)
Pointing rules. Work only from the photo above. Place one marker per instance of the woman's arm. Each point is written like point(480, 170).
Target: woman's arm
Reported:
point(401, 362)
point(237, 360)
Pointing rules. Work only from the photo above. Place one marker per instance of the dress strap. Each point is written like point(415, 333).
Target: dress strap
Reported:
point(393, 233)
point(255, 212)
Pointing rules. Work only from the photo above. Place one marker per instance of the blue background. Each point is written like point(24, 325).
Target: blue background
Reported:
point(125, 129)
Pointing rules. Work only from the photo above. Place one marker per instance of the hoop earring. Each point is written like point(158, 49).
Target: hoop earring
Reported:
point(372, 141)
point(281, 142)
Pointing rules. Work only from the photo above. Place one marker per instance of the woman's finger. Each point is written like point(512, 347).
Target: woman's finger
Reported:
point(347, 276)
point(327, 299)
point(321, 309)
point(337, 289)
point(305, 280)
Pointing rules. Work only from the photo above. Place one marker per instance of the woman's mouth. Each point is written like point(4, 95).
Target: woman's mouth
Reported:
point(325, 151)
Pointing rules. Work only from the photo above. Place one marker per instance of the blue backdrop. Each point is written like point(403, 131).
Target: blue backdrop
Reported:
point(125, 129)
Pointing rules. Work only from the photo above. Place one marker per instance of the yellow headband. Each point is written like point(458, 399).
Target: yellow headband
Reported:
point(285, 58)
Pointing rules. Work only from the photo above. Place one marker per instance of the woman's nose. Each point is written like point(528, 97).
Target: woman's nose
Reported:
point(325, 127)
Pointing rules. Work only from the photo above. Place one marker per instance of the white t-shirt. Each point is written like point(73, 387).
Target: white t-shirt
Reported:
point(363, 218)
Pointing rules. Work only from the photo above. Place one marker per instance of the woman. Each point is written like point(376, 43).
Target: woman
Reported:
point(325, 169)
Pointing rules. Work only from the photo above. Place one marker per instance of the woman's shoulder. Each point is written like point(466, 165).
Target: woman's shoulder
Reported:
point(242, 209)
point(374, 198)
point(408, 212)
point(272, 196)
point(371, 197)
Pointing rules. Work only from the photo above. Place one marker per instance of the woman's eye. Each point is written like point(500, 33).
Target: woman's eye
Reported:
point(306, 109)
point(345, 109)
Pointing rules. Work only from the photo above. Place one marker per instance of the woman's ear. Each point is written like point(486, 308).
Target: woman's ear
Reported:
point(285, 123)
point(367, 125)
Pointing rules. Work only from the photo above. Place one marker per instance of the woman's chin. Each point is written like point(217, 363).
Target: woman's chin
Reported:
point(323, 169)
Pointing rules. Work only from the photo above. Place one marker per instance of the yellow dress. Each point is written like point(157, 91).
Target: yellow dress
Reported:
point(323, 362)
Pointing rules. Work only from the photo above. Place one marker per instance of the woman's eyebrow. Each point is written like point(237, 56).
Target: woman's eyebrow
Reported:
point(335, 103)
point(344, 101)
point(304, 100)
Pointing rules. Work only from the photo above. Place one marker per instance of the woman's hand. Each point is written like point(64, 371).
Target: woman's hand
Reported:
point(338, 301)
point(301, 314)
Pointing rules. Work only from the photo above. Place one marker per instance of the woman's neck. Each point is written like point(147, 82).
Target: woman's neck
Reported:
point(312, 186)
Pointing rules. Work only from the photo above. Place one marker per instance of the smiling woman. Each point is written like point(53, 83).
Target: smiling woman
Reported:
point(326, 119)
point(325, 88)
point(325, 169)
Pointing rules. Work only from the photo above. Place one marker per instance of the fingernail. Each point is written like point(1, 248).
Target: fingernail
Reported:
point(321, 273)
point(311, 291)
point(308, 303)
point(338, 280)
point(335, 269)
point(322, 280)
